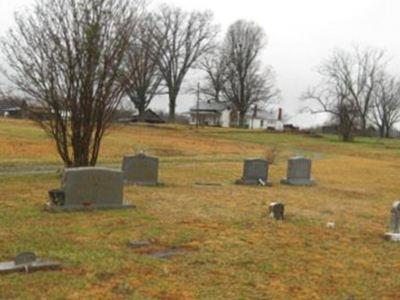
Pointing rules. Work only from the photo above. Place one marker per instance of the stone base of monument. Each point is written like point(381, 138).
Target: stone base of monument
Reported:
point(393, 237)
point(51, 207)
point(28, 262)
point(142, 183)
point(298, 182)
point(258, 182)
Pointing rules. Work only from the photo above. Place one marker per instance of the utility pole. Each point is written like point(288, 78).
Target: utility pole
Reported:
point(198, 106)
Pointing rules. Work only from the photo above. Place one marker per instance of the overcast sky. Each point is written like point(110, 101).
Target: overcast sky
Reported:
point(301, 33)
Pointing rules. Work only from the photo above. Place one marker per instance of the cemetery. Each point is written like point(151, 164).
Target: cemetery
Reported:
point(201, 235)
point(199, 150)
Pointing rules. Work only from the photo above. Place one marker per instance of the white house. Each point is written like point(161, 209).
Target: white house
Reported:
point(221, 114)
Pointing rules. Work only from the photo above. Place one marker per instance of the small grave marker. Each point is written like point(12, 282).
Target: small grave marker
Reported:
point(276, 211)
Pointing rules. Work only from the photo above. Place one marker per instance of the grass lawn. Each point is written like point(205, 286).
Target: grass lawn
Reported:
point(236, 252)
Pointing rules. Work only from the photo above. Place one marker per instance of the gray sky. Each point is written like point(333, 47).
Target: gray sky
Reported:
point(301, 34)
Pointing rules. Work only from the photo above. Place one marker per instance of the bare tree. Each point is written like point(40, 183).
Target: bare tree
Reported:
point(349, 79)
point(215, 69)
point(358, 70)
point(141, 76)
point(183, 38)
point(245, 85)
point(66, 57)
point(333, 98)
point(386, 104)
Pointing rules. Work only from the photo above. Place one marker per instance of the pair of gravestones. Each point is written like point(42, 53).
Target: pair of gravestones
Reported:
point(255, 172)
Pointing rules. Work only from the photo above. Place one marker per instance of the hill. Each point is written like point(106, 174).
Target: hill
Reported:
point(233, 250)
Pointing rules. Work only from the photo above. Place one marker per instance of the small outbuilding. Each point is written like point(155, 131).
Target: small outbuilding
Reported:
point(149, 117)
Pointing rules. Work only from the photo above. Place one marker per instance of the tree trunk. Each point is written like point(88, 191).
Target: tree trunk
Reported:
point(363, 126)
point(382, 131)
point(387, 131)
point(172, 107)
point(347, 137)
point(346, 127)
point(242, 119)
point(142, 112)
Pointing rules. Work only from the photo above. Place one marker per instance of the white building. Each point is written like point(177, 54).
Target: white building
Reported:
point(221, 114)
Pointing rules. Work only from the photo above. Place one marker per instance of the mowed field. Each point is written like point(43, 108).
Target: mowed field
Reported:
point(233, 250)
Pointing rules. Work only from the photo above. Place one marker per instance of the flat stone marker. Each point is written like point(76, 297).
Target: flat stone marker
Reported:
point(140, 170)
point(89, 188)
point(255, 172)
point(276, 211)
point(298, 172)
point(28, 262)
point(169, 253)
point(394, 234)
point(139, 244)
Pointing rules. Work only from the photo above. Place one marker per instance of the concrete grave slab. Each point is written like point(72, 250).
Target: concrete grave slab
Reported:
point(28, 262)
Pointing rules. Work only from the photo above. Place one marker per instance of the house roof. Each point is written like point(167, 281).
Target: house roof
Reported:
point(149, 117)
point(221, 106)
point(10, 105)
point(210, 106)
point(262, 114)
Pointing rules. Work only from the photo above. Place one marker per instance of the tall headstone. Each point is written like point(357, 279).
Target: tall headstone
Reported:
point(298, 172)
point(140, 170)
point(90, 187)
point(394, 234)
point(255, 172)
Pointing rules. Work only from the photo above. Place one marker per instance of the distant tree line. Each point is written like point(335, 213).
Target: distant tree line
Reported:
point(358, 92)
point(76, 60)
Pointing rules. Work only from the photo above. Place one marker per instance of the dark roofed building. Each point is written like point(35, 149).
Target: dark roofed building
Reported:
point(11, 108)
point(149, 117)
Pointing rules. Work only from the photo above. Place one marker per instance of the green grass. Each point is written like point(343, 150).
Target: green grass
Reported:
point(236, 251)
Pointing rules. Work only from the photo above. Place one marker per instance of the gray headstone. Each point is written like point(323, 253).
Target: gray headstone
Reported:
point(276, 211)
point(140, 169)
point(395, 218)
point(299, 172)
point(25, 258)
point(91, 187)
point(255, 172)
point(139, 244)
point(394, 234)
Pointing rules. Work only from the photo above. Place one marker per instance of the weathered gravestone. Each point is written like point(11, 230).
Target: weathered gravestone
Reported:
point(89, 188)
point(27, 262)
point(298, 172)
point(276, 211)
point(140, 170)
point(255, 172)
point(394, 234)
